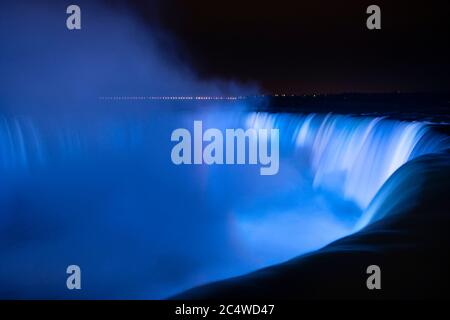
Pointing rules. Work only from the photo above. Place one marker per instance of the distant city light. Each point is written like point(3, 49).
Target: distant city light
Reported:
point(173, 98)
point(201, 98)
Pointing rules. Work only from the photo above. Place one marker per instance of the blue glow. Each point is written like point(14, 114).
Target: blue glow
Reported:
point(89, 182)
point(104, 194)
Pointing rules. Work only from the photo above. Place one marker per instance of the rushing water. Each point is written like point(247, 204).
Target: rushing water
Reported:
point(100, 191)
point(95, 186)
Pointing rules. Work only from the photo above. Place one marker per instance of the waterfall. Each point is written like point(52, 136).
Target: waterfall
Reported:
point(100, 189)
point(352, 155)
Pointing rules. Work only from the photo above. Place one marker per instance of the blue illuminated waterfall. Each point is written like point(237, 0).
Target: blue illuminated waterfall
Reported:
point(106, 189)
point(352, 155)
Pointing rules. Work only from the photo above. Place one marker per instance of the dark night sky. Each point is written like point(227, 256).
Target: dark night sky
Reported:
point(311, 46)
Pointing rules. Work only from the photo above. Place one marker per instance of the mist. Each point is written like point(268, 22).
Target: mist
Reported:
point(47, 68)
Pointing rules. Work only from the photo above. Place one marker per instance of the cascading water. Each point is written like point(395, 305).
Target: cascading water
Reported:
point(103, 193)
point(93, 184)
point(352, 155)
